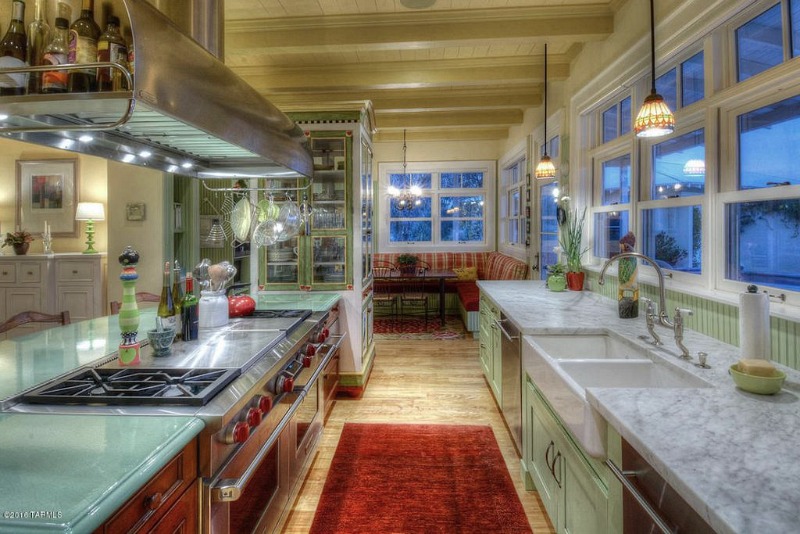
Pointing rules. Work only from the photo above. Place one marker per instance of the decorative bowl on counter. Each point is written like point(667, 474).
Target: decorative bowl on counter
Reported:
point(762, 385)
point(161, 341)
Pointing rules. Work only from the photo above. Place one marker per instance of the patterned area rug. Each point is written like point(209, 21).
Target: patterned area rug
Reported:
point(418, 479)
point(415, 328)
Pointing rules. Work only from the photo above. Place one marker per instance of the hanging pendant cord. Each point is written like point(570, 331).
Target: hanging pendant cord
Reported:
point(652, 46)
point(545, 99)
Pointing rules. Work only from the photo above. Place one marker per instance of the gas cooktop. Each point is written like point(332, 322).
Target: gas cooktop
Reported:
point(128, 386)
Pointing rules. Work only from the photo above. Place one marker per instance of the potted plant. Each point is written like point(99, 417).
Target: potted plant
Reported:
point(19, 240)
point(570, 238)
point(407, 263)
point(556, 277)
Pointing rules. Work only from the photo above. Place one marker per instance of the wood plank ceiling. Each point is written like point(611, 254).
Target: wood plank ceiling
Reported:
point(459, 69)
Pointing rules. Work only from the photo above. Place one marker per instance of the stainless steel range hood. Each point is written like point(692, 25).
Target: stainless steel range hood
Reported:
point(187, 113)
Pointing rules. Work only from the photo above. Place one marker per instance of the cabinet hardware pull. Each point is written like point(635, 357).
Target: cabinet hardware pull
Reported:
point(74, 272)
point(643, 502)
point(30, 273)
point(553, 470)
point(154, 501)
point(547, 454)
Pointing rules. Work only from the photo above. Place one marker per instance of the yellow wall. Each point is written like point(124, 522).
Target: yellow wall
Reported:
point(91, 179)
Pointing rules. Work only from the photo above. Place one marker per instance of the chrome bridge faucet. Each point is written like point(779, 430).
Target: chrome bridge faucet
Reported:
point(663, 316)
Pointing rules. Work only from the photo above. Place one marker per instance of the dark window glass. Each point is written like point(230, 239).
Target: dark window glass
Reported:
point(617, 181)
point(462, 230)
point(625, 119)
point(460, 207)
point(763, 243)
point(673, 237)
point(768, 141)
point(666, 85)
point(610, 124)
point(424, 209)
point(609, 227)
point(679, 166)
point(548, 224)
point(555, 145)
point(692, 80)
point(759, 44)
point(401, 180)
point(462, 180)
point(414, 231)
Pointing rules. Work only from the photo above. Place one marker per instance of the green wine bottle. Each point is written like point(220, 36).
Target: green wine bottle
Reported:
point(165, 316)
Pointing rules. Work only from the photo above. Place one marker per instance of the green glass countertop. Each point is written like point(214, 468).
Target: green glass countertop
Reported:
point(29, 360)
point(69, 473)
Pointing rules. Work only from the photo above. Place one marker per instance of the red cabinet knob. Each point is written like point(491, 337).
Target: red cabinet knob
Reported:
point(311, 349)
point(307, 360)
point(238, 433)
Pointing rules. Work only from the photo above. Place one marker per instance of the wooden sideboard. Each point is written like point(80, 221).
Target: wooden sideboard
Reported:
point(51, 284)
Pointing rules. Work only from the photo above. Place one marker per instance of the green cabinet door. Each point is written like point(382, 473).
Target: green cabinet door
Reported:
point(585, 509)
point(542, 459)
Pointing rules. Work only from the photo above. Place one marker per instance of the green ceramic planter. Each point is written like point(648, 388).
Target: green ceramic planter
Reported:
point(556, 282)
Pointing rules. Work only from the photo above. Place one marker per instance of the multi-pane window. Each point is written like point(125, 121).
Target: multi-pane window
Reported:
point(512, 222)
point(686, 80)
point(763, 221)
point(616, 180)
point(451, 209)
point(759, 43)
point(673, 237)
point(679, 166)
point(612, 221)
point(548, 226)
point(616, 120)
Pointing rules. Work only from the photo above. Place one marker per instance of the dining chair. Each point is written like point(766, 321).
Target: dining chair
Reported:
point(415, 294)
point(383, 289)
point(141, 296)
point(33, 317)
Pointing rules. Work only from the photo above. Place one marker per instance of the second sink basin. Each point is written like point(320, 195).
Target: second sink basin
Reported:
point(588, 346)
point(628, 374)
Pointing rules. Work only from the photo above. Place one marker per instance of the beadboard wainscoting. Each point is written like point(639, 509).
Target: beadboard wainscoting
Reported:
point(716, 319)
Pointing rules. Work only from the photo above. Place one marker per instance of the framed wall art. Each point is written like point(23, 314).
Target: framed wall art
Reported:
point(47, 193)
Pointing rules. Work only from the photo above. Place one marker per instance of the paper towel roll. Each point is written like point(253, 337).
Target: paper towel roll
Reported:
point(754, 325)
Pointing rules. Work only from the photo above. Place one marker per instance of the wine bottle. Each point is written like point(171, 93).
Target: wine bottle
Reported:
point(38, 38)
point(111, 47)
point(83, 36)
point(189, 312)
point(55, 81)
point(177, 295)
point(14, 52)
point(165, 316)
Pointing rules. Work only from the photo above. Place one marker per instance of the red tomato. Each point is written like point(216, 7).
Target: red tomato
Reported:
point(241, 305)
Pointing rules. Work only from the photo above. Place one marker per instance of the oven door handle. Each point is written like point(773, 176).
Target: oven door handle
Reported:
point(324, 362)
point(230, 489)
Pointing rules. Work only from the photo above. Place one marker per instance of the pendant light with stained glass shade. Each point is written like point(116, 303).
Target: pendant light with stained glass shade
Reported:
point(655, 118)
point(545, 170)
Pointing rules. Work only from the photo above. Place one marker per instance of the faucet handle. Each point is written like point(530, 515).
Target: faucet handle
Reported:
point(679, 312)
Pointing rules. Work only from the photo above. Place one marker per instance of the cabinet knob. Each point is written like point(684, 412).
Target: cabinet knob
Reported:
point(74, 271)
point(154, 501)
point(30, 273)
point(5, 273)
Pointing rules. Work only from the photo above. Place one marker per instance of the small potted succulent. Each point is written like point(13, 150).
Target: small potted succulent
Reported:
point(19, 240)
point(407, 263)
point(556, 277)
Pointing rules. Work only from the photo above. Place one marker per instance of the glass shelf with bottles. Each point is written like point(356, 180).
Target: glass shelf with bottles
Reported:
point(329, 257)
point(328, 195)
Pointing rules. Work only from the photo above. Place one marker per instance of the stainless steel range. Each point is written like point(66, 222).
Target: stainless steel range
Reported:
point(254, 384)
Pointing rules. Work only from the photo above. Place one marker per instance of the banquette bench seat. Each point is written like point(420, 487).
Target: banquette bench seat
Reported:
point(469, 267)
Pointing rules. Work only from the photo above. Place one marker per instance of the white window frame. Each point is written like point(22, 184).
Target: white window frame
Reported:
point(515, 164)
point(436, 168)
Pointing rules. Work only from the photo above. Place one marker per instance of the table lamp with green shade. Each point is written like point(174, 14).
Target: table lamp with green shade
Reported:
point(90, 212)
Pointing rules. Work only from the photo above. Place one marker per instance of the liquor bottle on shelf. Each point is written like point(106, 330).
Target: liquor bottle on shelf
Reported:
point(165, 316)
point(189, 317)
point(38, 39)
point(55, 81)
point(14, 52)
point(111, 47)
point(83, 36)
point(177, 296)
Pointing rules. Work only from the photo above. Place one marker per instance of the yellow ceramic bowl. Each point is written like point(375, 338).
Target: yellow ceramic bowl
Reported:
point(763, 385)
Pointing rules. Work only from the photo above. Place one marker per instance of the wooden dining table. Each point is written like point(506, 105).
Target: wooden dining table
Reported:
point(441, 275)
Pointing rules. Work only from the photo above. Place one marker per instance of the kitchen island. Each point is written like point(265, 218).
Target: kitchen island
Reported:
point(69, 469)
point(730, 454)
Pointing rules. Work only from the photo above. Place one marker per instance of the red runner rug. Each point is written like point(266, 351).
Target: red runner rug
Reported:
point(418, 479)
point(415, 328)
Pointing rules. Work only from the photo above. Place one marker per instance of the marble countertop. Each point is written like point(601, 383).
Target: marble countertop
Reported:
point(732, 455)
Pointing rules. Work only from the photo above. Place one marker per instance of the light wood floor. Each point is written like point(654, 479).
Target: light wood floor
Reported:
point(416, 382)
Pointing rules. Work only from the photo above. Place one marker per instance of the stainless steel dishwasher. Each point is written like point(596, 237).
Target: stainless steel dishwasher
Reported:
point(511, 351)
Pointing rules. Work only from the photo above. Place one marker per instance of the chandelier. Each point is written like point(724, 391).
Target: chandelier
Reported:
point(409, 197)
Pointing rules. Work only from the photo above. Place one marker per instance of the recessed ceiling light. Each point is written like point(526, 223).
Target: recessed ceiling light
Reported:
point(3, 116)
point(417, 4)
point(86, 138)
point(186, 164)
point(145, 153)
point(127, 158)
